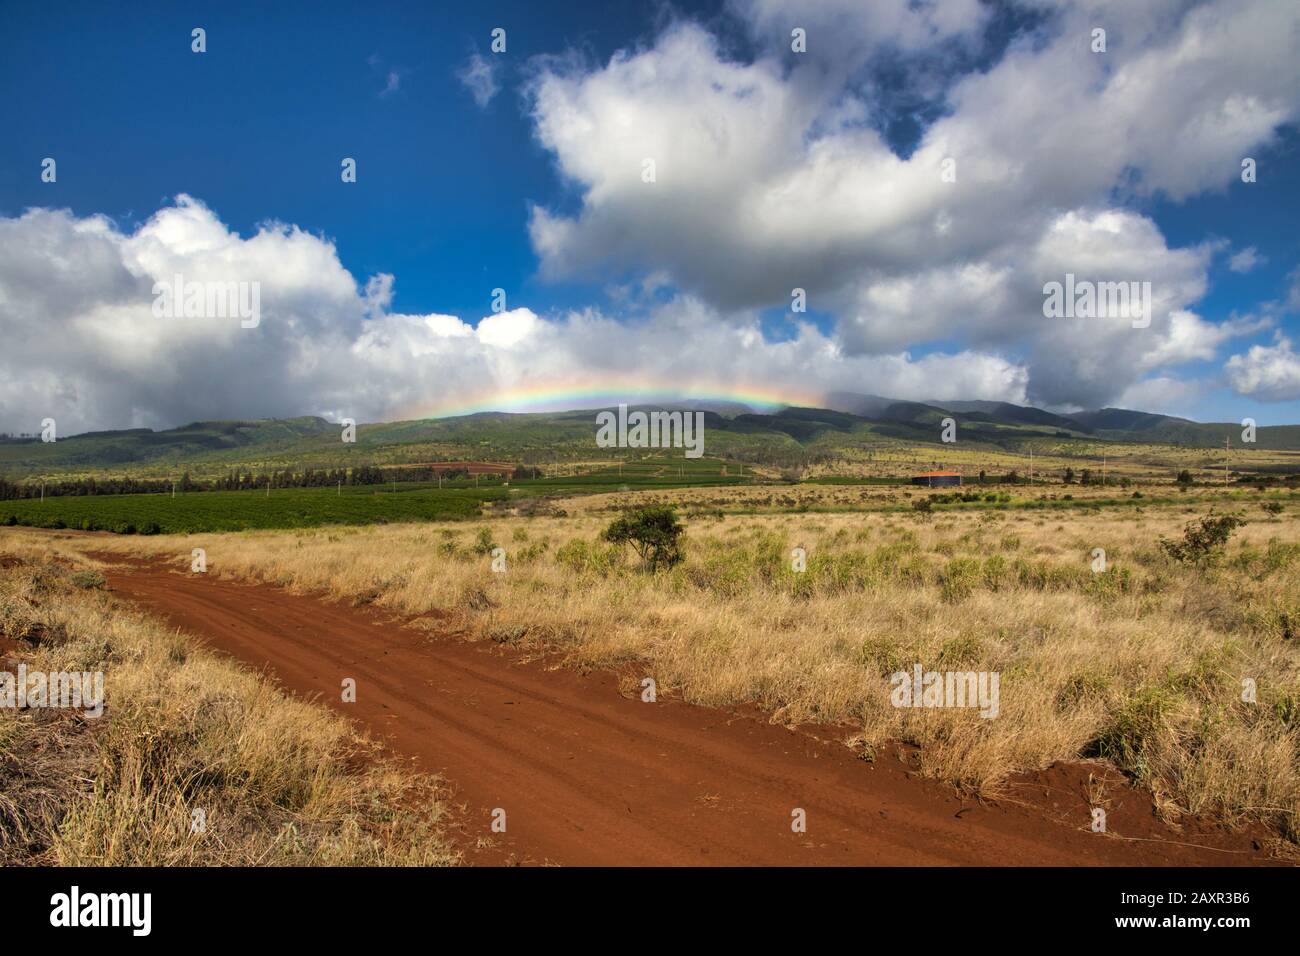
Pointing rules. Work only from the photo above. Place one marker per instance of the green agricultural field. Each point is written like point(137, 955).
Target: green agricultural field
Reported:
point(243, 510)
point(734, 488)
point(364, 504)
point(645, 473)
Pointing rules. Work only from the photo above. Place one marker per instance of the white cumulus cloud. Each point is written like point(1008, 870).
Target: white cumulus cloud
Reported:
point(84, 346)
point(1267, 372)
point(771, 173)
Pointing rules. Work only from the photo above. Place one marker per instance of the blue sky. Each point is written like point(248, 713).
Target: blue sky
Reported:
point(257, 126)
point(448, 191)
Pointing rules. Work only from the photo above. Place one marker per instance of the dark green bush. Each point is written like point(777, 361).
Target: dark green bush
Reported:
point(1203, 539)
point(654, 533)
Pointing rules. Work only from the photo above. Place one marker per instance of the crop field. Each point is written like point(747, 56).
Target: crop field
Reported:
point(662, 473)
point(699, 486)
point(365, 504)
point(244, 510)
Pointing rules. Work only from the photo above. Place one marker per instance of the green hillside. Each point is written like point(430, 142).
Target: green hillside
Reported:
point(788, 437)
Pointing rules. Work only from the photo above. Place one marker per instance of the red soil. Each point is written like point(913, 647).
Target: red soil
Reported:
point(588, 775)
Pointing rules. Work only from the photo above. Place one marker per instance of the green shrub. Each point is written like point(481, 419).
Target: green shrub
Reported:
point(884, 656)
point(88, 580)
point(1081, 687)
point(1203, 539)
point(959, 578)
point(654, 533)
point(483, 544)
point(1110, 583)
point(995, 572)
point(586, 558)
point(1134, 729)
point(961, 650)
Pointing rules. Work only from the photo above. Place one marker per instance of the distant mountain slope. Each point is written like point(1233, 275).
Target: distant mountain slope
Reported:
point(868, 406)
point(137, 445)
point(1109, 424)
point(801, 424)
point(1123, 419)
point(1007, 413)
point(789, 435)
point(1120, 424)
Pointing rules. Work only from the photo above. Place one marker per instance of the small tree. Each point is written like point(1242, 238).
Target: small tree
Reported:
point(484, 543)
point(1184, 477)
point(1069, 476)
point(1203, 540)
point(654, 532)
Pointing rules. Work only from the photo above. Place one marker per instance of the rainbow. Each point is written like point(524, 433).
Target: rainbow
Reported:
point(561, 396)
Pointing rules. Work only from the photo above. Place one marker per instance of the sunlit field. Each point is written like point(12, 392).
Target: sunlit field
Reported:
point(1138, 658)
point(194, 761)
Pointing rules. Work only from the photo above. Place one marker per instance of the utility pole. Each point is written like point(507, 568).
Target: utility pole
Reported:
point(1227, 450)
point(173, 489)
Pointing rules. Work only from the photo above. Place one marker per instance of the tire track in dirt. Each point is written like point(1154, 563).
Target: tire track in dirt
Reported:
point(588, 776)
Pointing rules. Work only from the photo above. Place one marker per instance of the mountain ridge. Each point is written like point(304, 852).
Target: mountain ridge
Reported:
point(780, 435)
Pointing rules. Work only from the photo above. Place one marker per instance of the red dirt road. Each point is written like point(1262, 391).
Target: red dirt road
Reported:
point(589, 776)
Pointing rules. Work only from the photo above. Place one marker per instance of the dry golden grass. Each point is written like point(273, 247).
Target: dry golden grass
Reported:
point(811, 497)
point(1142, 664)
point(1132, 460)
point(280, 782)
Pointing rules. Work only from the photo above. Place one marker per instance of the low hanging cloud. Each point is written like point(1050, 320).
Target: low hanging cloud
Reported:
point(85, 347)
